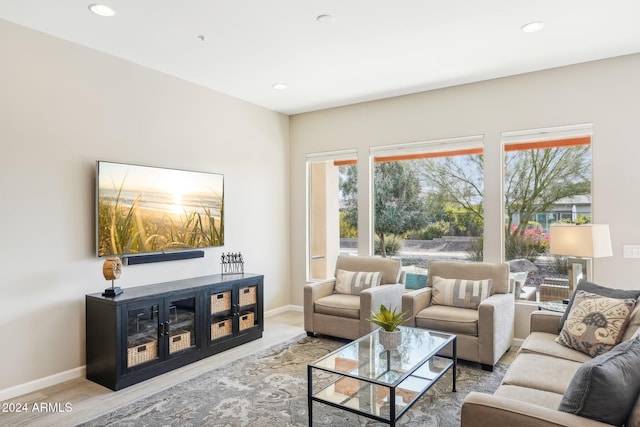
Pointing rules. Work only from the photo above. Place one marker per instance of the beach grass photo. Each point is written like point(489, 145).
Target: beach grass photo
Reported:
point(142, 209)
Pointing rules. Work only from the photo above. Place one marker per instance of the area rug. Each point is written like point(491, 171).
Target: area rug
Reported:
point(270, 389)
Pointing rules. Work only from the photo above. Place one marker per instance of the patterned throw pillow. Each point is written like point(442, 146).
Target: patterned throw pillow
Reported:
point(604, 291)
point(353, 282)
point(595, 323)
point(460, 293)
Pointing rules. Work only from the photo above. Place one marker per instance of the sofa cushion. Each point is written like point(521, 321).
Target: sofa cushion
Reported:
point(545, 343)
point(541, 372)
point(451, 319)
point(616, 374)
point(593, 288)
point(595, 323)
point(353, 282)
point(548, 399)
point(634, 417)
point(339, 305)
point(460, 293)
point(634, 323)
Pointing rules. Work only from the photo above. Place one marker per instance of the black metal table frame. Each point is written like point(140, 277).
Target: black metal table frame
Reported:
point(393, 417)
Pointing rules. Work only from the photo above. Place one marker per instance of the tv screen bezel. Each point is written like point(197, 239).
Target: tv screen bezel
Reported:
point(156, 169)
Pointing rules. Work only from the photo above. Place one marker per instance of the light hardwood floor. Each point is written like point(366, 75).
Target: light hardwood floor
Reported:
point(89, 400)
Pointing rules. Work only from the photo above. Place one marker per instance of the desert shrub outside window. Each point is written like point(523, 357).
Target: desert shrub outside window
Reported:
point(428, 200)
point(547, 180)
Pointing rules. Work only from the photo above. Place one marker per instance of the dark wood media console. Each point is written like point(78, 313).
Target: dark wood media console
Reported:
point(153, 329)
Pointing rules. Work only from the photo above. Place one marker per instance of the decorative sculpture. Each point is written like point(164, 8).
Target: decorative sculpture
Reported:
point(111, 269)
point(232, 263)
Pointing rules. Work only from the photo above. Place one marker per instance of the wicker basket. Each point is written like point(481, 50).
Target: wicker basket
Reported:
point(246, 320)
point(142, 353)
point(180, 341)
point(220, 329)
point(248, 295)
point(553, 292)
point(221, 302)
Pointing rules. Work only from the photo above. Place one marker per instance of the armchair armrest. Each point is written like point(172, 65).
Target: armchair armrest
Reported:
point(313, 292)
point(371, 298)
point(484, 410)
point(413, 302)
point(496, 316)
point(545, 321)
point(318, 290)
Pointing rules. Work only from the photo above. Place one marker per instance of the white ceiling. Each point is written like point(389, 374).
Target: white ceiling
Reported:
point(373, 48)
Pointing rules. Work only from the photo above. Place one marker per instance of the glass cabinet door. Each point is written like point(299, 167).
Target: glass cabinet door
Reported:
point(142, 334)
point(182, 324)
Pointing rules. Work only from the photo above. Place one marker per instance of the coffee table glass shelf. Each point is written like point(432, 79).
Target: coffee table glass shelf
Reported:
point(363, 378)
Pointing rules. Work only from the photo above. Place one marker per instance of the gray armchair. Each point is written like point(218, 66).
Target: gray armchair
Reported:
point(346, 316)
point(484, 334)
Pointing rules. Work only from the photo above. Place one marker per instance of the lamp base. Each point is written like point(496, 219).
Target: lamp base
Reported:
point(112, 292)
point(579, 268)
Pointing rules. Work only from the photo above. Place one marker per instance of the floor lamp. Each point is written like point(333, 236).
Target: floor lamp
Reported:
point(580, 244)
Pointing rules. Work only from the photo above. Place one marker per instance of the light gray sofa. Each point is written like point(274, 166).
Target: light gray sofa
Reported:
point(485, 334)
point(536, 381)
point(347, 316)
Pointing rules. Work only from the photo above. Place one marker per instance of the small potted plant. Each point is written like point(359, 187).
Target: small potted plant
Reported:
point(390, 335)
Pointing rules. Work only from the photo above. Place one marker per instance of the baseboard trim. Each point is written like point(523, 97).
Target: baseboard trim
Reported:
point(39, 384)
point(282, 309)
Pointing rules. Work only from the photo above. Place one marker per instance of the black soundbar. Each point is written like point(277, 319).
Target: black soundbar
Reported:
point(167, 256)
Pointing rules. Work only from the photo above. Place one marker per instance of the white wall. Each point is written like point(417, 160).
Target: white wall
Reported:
point(62, 107)
point(604, 93)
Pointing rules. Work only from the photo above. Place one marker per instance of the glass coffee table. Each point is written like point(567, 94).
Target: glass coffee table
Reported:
point(364, 378)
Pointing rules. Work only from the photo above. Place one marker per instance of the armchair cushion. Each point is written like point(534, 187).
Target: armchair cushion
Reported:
point(460, 293)
point(353, 282)
point(612, 374)
point(339, 305)
point(451, 319)
point(596, 323)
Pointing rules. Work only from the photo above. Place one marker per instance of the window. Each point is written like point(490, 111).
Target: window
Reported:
point(428, 200)
point(547, 179)
point(332, 210)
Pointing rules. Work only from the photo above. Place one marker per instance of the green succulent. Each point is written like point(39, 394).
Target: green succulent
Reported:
point(386, 319)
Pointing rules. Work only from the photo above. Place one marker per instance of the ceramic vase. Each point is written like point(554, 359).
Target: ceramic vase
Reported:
point(390, 340)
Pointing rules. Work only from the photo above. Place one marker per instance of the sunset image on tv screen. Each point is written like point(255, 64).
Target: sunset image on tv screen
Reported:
point(142, 209)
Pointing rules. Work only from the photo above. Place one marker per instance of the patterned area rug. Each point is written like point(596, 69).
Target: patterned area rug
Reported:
point(270, 389)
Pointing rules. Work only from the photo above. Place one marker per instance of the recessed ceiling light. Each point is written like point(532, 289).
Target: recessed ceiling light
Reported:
point(325, 19)
point(280, 86)
point(101, 10)
point(532, 27)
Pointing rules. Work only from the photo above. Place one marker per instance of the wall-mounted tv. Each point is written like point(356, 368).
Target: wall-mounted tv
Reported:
point(144, 209)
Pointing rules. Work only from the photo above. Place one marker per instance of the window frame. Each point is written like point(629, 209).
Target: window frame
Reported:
point(339, 157)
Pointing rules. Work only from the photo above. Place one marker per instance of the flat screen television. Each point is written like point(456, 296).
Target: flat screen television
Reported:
point(144, 209)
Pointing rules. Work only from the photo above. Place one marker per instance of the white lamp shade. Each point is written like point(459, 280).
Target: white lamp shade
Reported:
point(589, 240)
